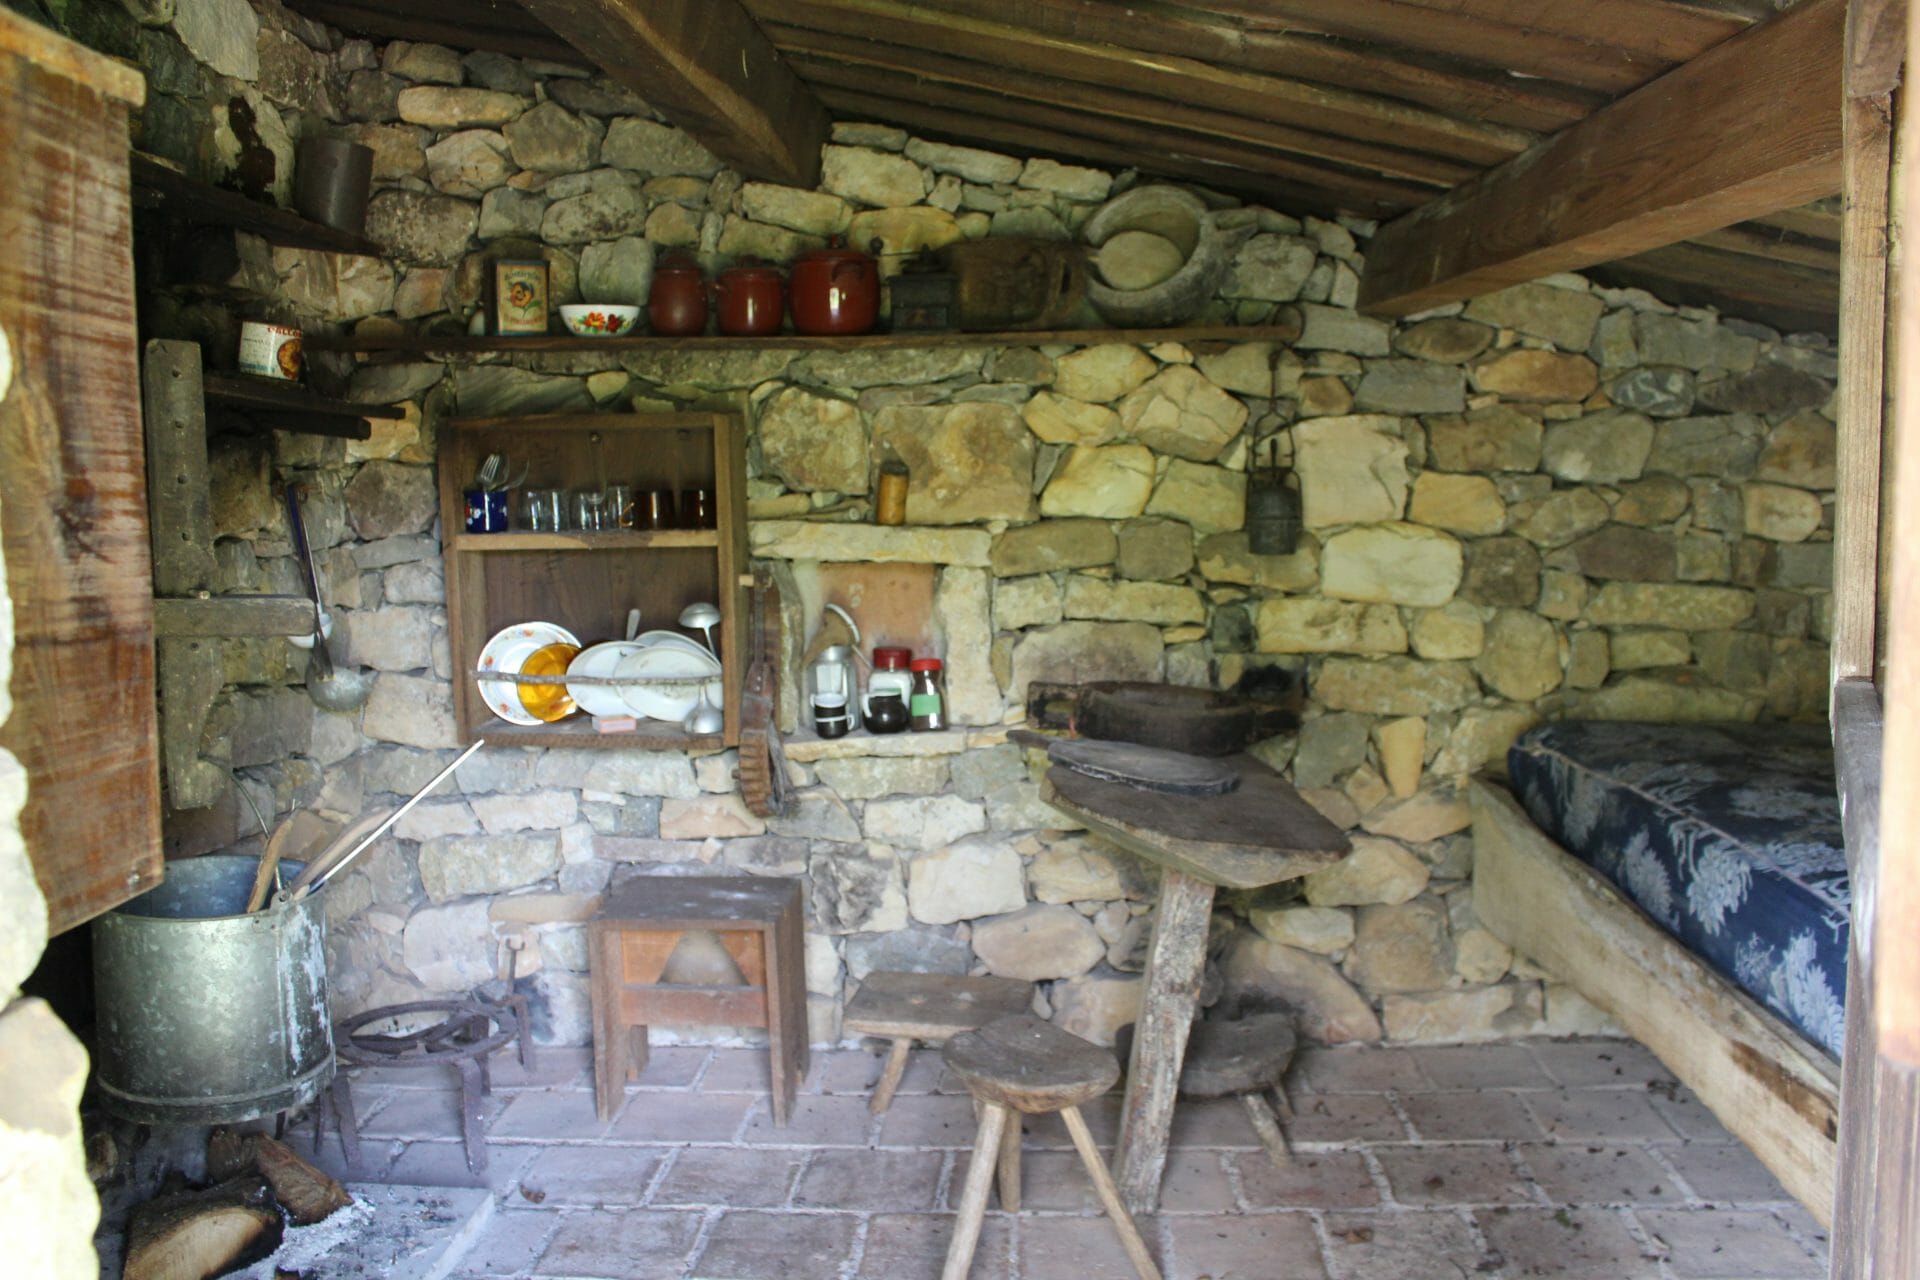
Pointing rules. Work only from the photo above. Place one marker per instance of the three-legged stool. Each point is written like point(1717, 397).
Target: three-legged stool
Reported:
point(1243, 1058)
point(1021, 1065)
point(928, 1007)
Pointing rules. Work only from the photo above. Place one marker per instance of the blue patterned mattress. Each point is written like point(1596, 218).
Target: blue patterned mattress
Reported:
point(1728, 835)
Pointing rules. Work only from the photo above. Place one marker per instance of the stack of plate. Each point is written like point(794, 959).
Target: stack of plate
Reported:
point(533, 648)
point(536, 647)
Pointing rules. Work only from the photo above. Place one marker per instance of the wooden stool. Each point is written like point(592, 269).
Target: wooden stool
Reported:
point(1243, 1058)
point(1021, 1064)
point(928, 1007)
point(757, 919)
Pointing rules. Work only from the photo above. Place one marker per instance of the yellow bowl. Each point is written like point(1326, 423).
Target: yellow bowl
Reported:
point(548, 701)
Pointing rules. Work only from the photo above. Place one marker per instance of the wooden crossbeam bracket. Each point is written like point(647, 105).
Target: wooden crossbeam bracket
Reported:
point(710, 70)
point(1750, 126)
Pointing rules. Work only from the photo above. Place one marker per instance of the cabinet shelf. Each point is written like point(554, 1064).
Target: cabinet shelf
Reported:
point(158, 185)
point(621, 540)
point(471, 344)
point(578, 731)
point(497, 580)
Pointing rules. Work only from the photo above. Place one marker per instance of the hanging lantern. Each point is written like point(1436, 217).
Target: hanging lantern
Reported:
point(1273, 507)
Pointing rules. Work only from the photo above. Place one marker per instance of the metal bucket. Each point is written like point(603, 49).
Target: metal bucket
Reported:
point(207, 1015)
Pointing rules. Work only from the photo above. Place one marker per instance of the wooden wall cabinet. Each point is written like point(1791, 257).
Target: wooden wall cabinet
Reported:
point(586, 582)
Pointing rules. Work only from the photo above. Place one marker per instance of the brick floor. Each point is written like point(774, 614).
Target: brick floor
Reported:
point(1571, 1159)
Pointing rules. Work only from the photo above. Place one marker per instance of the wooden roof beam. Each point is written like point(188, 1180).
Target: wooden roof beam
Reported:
point(1750, 126)
point(707, 66)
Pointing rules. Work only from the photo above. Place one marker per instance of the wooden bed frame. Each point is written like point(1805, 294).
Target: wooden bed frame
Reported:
point(1773, 1089)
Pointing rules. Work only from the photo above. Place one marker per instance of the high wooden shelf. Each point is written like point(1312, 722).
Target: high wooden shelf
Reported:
point(158, 185)
point(472, 344)
point(287, 406)
point(586, 582)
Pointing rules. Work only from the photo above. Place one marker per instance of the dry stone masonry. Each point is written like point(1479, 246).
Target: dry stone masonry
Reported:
point(1558, 500)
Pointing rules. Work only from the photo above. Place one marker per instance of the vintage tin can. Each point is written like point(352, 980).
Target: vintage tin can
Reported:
point(269, 351)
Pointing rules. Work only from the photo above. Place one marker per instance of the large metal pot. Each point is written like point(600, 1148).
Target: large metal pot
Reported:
point(207, 1015)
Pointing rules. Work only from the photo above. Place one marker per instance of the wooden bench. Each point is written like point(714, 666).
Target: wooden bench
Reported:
point(927, 1007)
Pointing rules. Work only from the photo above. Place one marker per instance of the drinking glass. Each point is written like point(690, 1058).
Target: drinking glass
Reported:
point(545, 510)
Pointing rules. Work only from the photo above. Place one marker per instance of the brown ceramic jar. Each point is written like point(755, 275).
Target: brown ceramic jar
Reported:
point(677, 303)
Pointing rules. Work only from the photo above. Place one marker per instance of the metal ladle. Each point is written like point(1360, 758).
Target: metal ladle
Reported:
point(330, 688)
point(704, 617)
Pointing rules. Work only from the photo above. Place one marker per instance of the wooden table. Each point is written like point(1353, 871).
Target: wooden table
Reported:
point(1257, 835)
point(757, 919)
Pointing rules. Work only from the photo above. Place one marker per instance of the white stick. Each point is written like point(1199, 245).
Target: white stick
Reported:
point(392, 818)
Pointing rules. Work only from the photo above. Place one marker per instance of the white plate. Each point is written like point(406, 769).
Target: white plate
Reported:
point(671, 639)
point(509, 648)
point(666, 701)
point(600, 660)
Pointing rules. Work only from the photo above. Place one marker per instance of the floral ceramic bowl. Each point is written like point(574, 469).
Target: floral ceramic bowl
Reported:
point(599, 319)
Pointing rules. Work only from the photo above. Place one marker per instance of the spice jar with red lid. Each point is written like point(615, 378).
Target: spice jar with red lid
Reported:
point(927, 705)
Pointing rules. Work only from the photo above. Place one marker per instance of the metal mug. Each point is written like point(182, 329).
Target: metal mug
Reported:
point(486, 510)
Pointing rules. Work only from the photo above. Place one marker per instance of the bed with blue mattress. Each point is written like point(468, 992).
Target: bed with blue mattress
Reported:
point(1691, 881)
point(1727, 835)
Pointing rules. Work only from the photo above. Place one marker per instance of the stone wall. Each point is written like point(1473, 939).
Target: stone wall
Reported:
point(1558, 500)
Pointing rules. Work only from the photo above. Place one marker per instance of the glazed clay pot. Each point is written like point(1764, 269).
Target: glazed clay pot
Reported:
point(677, 303)
point(751, 298)
point(834, 291)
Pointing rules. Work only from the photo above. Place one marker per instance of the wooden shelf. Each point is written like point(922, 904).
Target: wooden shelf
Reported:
point(497, 580)
point(469, 344)
point(620, 540)
point(577, 731)
point(158, 185)
point(291, 407)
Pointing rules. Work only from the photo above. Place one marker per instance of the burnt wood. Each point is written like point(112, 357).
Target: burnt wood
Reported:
point(710, 70)
point(1747, 127)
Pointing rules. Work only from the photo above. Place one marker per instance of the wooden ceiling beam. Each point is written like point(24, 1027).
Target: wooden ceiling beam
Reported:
point(1159, 27)
point(1020, 138)
point(1737, 278)
point(708, 68)
point(821, 55)
point(1332, 111)
point(497, 31)
point(1773, 245)
point(1386, 24)
point(1750, 126)
point(1147, 145)
point(1654, 28)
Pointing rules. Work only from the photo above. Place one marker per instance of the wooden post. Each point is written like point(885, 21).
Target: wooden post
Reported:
point(1896, 965)
point(1175, 959)
point(1863, 322)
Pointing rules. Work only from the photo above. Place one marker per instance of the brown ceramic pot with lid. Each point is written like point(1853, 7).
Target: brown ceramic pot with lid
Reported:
point(835, 290)
point(677, 303)
point(751, 297)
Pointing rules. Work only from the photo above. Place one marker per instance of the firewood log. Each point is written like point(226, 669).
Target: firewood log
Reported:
point(197, 1234)
point(307, 1193)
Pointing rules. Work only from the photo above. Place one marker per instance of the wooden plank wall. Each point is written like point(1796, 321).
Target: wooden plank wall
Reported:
point(73, 516)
